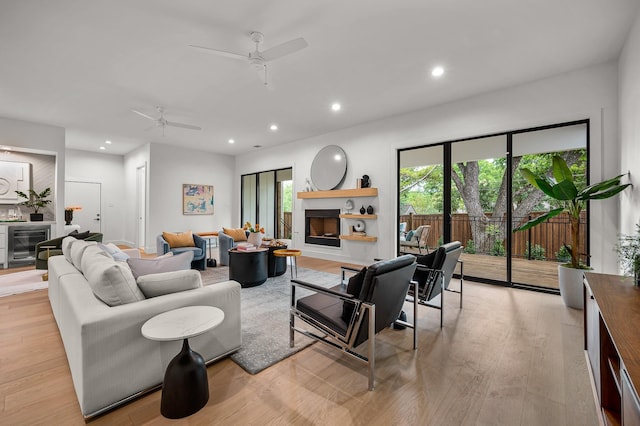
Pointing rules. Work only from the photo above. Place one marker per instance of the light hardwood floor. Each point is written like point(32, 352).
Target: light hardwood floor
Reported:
point(509, 357)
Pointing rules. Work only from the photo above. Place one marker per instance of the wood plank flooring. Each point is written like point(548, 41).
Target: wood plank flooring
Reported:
point(509, 357)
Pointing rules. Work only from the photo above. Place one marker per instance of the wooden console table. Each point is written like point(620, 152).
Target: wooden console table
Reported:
point(612, 344)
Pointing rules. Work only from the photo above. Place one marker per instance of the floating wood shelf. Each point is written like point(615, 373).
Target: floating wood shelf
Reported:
point(365, 238)
point(358, 216)
point(340, 193)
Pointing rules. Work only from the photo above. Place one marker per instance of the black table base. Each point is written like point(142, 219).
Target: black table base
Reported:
point(249, 268)
point(185, 389)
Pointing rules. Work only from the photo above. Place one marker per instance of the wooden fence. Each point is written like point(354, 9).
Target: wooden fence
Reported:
point(550, 235)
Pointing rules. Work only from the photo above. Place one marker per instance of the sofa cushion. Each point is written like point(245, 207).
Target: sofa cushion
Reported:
point(156, 265)
point(111, 281)
point(153, 285)
point(66, 247)
point(77, 251)
point(354, 287)
point(113, 251)
point(179, 239)
point(238, 234)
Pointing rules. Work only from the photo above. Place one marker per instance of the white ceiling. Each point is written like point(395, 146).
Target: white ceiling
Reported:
point(84, 65)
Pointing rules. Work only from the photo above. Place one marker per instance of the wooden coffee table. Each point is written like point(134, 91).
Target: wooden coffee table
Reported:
point(185, 388)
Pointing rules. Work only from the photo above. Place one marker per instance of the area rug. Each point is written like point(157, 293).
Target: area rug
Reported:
point(22, 282)
point(265, 317)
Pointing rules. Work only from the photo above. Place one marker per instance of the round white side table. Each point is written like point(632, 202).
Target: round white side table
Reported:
point(185, 388)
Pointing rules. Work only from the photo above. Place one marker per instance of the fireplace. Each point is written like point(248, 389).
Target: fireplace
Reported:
point(322, 227)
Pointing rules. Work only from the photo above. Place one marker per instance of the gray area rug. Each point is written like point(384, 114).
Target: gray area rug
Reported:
point(265, 317)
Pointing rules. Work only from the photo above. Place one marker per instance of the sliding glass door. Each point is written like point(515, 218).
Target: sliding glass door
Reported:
point(535, 253)
point(472, 191)
point(267, 199)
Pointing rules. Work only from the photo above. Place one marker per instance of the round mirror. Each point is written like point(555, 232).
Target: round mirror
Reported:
point(329, 168)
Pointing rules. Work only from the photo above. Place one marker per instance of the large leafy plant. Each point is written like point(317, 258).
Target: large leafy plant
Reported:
point(562, 188)
point(35, 200)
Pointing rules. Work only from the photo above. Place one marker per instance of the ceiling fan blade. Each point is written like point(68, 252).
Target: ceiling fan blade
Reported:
point(284, 49)
point(219, 52)
point(144, 115)
point(182, 125)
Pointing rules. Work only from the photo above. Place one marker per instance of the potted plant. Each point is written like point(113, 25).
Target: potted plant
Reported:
point(572, 200)
point(35, 201)
point(628, 249)
point(255, 233)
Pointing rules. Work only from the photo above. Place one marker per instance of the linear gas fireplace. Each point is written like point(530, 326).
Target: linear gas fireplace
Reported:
point(322, 227)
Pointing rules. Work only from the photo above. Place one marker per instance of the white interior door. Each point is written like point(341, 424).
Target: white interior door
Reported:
point(86, 195)
point(141, 190)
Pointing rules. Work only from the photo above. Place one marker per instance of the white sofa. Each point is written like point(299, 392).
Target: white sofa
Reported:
point(110, 361)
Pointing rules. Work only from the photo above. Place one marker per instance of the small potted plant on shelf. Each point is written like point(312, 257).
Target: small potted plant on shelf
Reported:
point(628, 249)
point(35, 201)
point(571, 200)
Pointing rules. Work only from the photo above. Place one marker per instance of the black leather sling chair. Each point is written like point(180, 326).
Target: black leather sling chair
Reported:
point(347, 317)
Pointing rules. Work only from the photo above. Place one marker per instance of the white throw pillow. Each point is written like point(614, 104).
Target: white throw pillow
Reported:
point(111, 281)
point(154, 285)
point(115, 252)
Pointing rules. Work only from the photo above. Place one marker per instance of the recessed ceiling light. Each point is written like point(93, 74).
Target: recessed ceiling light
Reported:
point(437, 71)
point(232, 141)
point(102, 148)
point(336, 106)
point(107, 142)
point(274, 127)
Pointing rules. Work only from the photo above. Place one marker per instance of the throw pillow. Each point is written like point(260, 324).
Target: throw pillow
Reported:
point(112, 282)
point(354, 287)
point(409, 236)
point(179, 239)
point(154, 285)
point(156, 265)
point(238, 234)
point(80, 235)
point(113, 251)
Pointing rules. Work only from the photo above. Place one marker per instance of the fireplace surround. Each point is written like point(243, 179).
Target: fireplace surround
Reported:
point(322, 227)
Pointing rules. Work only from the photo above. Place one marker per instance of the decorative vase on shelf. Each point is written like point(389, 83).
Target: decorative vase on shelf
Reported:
point(370, 210)
point(255, 238)
point(362, 210)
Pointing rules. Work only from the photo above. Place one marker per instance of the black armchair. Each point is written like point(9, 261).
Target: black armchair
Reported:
point(433, 276)
point(345, 320)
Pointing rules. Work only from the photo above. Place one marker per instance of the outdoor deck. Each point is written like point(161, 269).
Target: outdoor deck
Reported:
point(534, 272)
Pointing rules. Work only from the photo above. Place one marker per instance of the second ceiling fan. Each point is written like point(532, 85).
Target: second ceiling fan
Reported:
point(258, 59)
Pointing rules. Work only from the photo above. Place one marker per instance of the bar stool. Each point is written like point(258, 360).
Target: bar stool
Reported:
point(293, 255)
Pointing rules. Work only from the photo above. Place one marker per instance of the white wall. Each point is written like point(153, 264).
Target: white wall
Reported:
point(41, 139)
point(108, 170)
point(371, 149)
point(168, 168)
point(629, 71)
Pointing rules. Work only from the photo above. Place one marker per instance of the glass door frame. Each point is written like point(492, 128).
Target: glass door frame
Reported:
point(447, 192)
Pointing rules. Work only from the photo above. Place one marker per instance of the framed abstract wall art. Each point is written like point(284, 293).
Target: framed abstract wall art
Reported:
point(197, 199)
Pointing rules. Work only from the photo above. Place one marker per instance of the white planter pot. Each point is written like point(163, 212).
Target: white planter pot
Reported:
point(255, 238)
point(570, 281)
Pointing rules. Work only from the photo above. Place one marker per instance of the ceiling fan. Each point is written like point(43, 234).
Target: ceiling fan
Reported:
point(163, 122)
point(257, 59)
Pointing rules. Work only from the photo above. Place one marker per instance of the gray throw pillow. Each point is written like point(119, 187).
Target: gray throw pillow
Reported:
point(110, 281)
point(154, 285)
point(178, 262)
point(114, 252)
